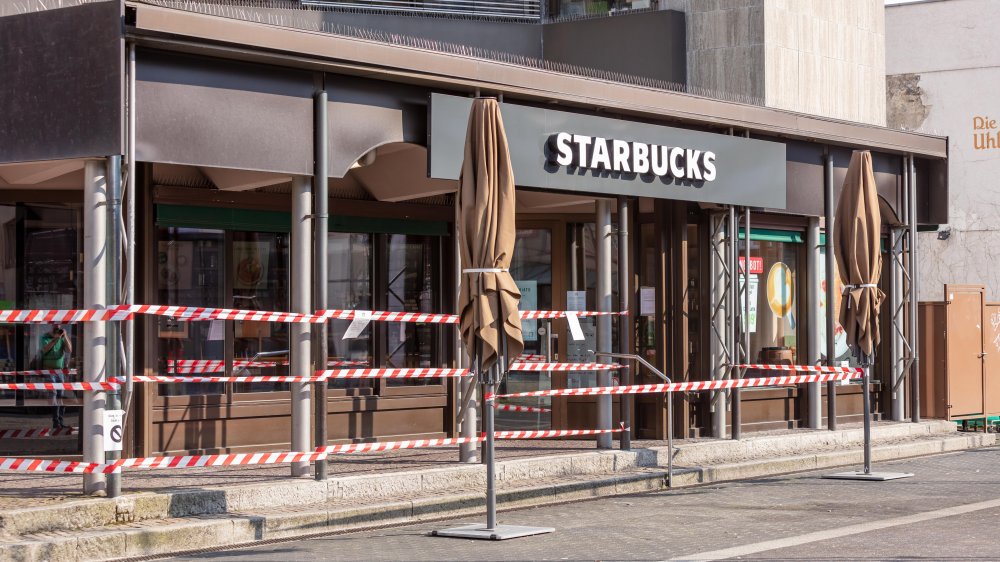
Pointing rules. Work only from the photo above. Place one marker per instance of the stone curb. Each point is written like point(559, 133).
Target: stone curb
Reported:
point(212, 531)
point(145, 506)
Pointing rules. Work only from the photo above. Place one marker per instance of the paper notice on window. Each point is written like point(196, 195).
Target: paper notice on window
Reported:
point(360, 322)
point(647, 301)
point(575, 331)
point(216, 330)
point(576, 300)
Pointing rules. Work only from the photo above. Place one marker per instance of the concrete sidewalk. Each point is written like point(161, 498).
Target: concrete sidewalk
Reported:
point(165, 511)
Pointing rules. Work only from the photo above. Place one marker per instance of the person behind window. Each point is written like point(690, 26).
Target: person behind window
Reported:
point(55, 347)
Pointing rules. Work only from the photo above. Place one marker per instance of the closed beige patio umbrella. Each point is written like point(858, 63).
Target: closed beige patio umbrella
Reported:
point(857, 240)
point(488, 298)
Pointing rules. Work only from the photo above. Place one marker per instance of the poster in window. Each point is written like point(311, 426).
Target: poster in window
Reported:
point(174, 264)
point(251, 260)
point(751, 293)
point(529, 301)
point(841, 348)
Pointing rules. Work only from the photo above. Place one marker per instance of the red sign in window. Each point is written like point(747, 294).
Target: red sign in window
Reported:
point(756, 265)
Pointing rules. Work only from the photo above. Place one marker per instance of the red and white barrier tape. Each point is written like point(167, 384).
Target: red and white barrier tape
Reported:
point(685, 386)
point(525, 366)
point(125, 312)
point(40, 465)
point(319, 376)
point(185, 378)
point(803, 368)
point(528, 409)
point(531, 357)
point(197, 461)
point(201, 366)
point(419, 373)
point(64, 316)
point(36, 433)
point(394, 445)
point(110, 385)
point(546, 433)
point(38, 372)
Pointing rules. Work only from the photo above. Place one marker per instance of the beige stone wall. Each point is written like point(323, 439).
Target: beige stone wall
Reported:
point(822, 57)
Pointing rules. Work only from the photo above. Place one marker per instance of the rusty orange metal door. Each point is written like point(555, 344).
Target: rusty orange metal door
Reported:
point(965, 349)
point(991, 363)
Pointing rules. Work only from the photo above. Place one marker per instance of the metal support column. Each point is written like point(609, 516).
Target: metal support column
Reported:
point(299, 333)
point(95, 252)
point(113, 283)
point(604, 304)
point(742, 345)
point(467, 396)
point(814, 394)
point(914, 293)
point(899, 345)
point(130, 265)
point(829, 205)
point(321, 202)
point(624, 322)
point(720, 311)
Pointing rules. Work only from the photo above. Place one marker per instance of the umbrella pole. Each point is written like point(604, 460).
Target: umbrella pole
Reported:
point(867, 409)
point(488, 452)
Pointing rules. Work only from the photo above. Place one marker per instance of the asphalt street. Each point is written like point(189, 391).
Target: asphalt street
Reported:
point(950, 510)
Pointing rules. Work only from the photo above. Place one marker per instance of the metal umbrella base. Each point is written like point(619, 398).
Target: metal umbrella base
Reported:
point(873, 476)
point(866, 473)
point(497, 533)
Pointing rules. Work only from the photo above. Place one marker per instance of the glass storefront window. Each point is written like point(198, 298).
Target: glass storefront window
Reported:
point(191, 272)
point(531, 269)
point(583, 281)
point(260, 282)
point(40, 268)
point(411, 277)
point(774, 291)
point(349, 259)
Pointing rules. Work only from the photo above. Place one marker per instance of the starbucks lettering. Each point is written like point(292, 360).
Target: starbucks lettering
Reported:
point(613, 155)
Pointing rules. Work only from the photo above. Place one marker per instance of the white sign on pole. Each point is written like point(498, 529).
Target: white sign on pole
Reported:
point(114, 429)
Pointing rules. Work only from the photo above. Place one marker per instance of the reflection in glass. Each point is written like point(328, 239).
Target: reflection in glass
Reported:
point(260, 282)
point(410, 287)
point(349, 287)
point(189, 268)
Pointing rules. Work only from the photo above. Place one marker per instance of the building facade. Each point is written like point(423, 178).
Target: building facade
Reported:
point(222, 119)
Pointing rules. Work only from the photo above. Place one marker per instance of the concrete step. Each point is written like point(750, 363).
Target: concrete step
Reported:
point(193, 533)
point(378, 487)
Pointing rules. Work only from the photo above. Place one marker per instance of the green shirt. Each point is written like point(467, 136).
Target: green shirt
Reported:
point(54, 358)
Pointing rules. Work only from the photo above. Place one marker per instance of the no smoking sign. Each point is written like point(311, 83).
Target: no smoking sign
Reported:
point(113, 429)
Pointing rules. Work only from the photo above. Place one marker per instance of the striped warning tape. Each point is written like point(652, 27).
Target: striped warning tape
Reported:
point(197, 379)
point(319, 376)
point(41, 465)
point(110, 385)
point(64, 316)
point(685, 386)
point(528, 409)
point(803, 368)
point(417, 373)
point(36, 433)
point(202, 366)
point(546, 433)
point(197, 461)
point(528, 366)
point(394, 445)
point(531, 357)
point(38, 372)
point(125, 312)
point(246, 459)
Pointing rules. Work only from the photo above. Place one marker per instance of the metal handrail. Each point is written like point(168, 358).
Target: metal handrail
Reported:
point(670, 406)
point(259, 355)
